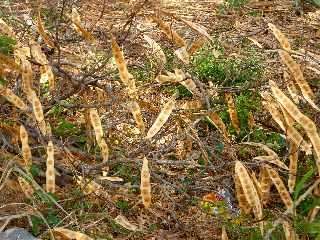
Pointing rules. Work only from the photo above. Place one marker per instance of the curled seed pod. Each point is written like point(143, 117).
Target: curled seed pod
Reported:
point(249, 190)
point(243, 203)
point(145, 186)
point(232, 112)
point(96, 124)
point(37, 54)
point(275, 113)
point(256, 184)
point(72, 235)
point(216, 120)
point(135, 109)
point(50, 172)
point(283, 192)
point(265, 185)
point(26, 151)
point(305, 122)
point(196, 45)
point(298, 76)
point(162, 118)
point(156, 49)
point(46, 37)
point(12, 98)
point(293, 157)
point(26, 188)
point(284, 42)
point(169, 32)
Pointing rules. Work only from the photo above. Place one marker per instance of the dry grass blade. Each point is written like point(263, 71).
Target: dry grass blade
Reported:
point(283, 192)
point(284, 42)
point(50, 172)
point(305, 122)
point(170, 33)
point(5, 29)
point(145, 186)
point(135, 108)
point(164, 78)
point(12, 98)
point(216, 120)
point(26, 151)
point(162, 118)
point(293, 157)
point(224, 235)
point(250, 191)
point(264, 147)
point(46, 37)
point(232, 112)
point(71, 235)
point(243, 203)
point(191, 86)
point(265, 185)
point(298, 76)
point(156, 49)
point(196, 45)
point(251, 121)
point(256, 184)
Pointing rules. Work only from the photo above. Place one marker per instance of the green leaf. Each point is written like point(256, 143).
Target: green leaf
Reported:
point(302, 182)
point(316, 2)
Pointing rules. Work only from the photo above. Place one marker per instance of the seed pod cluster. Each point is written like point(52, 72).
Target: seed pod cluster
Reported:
point(145, 186)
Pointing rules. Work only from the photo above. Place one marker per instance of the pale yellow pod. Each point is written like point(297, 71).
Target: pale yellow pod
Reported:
point(123, 221)
point(5, 29)
point(283, 192)
point(284, 42)
point(163, 78)
point(291, 86)
point(47, 76)
point(145, 186)
point(71, 235)
point(37, 107)
point(298, 76)
point(190, 104)
point(46, 37)
point(249, 190)
point(135, 109)
point(216, 120)
point(293, 157)
point(183, 55)
point(75, 18)
point(275, 113)
point(162, 118)
point(196, 45)
point(37, 54)
point(25, 148)
point(191, 86)
point(13, 99)
point(224, 235)
point(273, 160)
point(26, 187)
point(104, 150)
point(265, 185)
point(232, 112)
point(96, 124)
point(27, 78)
point(156, 49)
point(169, 32)
point(50, 172)
point(243, 203)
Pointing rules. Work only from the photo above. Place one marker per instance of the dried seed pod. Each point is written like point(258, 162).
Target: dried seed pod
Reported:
point(298, 76)
point(75, 18)
point(272, 159)
point(288, 230)
point(183, 55)
point(275, 113)
point(145, 186)
point(265, 185)
point(284, 42)
point(291, 86)
point(26, 188)
point(224, 235)
point(38, 113)
point(26, 151)
point(232, 112)
point(196, 45)
point(135, 109)
point(122, 68)
point(156, 49)
point(8, 61)
point(191, 86)
point(163, 78)
point(5, 29)
point(71, 235)
point(294, 154)
point(162, 118)
point(198, 28)
point(47, 76)
point(283, 192)
point(243, 203)
point(170, 33)
point(190, 104)
point(12, 98)
point(50, 172)
point(46, 37)
point(104, 150)
point(27, 78)
point(123, 221)
point(216, 120)
point(249, 190)
point(305, 122)
point(96, 124)
point(37, 54)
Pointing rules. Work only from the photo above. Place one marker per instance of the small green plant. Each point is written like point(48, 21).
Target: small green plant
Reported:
point(6, 45)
